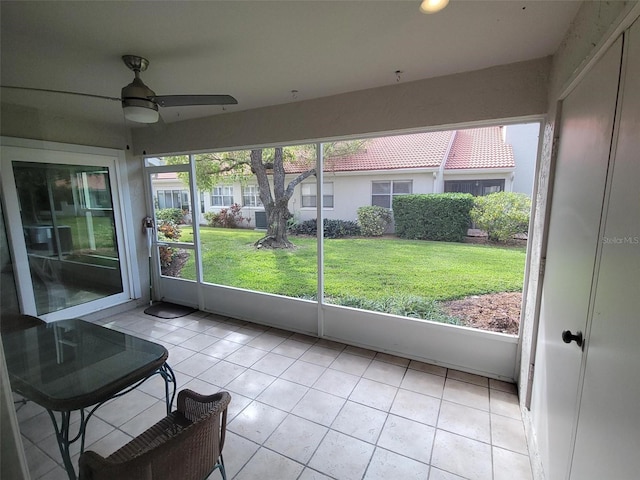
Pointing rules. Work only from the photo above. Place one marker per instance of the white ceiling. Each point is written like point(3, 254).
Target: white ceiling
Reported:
point(257, 51)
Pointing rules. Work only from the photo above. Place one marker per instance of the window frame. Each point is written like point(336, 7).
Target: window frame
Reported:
point(313, 197)
point(224, 196)
point(391, 187)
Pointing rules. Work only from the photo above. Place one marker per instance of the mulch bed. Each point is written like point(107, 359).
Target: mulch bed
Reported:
point(496, 312)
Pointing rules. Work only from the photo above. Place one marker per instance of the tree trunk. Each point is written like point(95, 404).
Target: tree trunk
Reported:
point(276, 209)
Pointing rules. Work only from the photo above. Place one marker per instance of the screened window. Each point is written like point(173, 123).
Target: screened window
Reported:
point(477, 188)
point(309, 195)
point(251, 196)
point(382, 193)
point(173, 199)
point(222, 196)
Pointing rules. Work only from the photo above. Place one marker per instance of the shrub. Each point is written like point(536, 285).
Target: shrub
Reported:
point(502, 215)
point(437, 216)
point(332, 228)
point(168, 231)
point(170, 215)
point(227, 217)
point(373, 220)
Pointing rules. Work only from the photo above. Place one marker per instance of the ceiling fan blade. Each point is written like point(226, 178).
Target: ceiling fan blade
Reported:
point(46, 90)
point(187, 100)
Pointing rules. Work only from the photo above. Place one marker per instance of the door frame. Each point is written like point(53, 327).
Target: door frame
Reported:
point(59, 153)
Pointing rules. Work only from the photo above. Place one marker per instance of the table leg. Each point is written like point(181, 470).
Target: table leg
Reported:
point(62, 436)
point(169, 377)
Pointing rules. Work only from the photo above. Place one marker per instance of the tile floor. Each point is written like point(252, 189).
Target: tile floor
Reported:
point(309, 409)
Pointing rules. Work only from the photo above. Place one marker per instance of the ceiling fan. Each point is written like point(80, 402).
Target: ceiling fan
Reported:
point(139, 102)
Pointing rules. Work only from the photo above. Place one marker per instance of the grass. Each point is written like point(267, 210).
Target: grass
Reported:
point(369, 273)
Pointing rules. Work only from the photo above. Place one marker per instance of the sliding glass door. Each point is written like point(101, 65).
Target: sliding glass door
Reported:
point(65, 231)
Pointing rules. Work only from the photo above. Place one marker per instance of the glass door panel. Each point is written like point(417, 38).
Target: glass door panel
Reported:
point(70, 235)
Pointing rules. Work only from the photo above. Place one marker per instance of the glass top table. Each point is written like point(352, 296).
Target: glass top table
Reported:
point(74, 365)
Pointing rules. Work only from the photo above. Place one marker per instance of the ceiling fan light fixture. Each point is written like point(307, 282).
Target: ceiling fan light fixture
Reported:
point(140, 110)
point(433, 6)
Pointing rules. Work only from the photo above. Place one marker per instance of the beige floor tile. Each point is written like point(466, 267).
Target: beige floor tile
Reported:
point(250, 383)
point(221, 349)
point(273, 364)
point(505, 404)
point(508, 433)
point(38, 462)
point(374, 394)
point(268, 464)
point(342, 457)
point(199, 342)
point(415, 406)
point(246, 356)
point(363, 352)
point(336, 383)
point(120, 410)
point(109, 443)
point(466, 394)
point(319, 407)
point(178, 336)
point(318, 355)
point(267, 341)
point(509, 465)
point(177, 354)
point(468, 377)
point(385, 465)
point(309, 474)
point(428, 368)
point(350, 363)
point(437, 474)
point(220, 330)
point(462, 456)
point(360, 421)
point(283, 394)
point(195, 365)
point(383, 372)
point(222, 373)
point(303, 373)
point(503, 386)
point(292, 348)
point(467, 421)
point(37, 428)
point(237, 404)
point(236, 453)
point(239, 336)
point(425, 383)
point(256, 422)
point(58, 473)
point(143, 420)
point(408, 438)
point(296, 438)
point(385, 357)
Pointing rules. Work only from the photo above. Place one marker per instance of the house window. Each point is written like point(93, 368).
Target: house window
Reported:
point(222, 196)
point(201, 202)
point(477, 188)
point(309, 194)
point(383, 192)
point(173, 199)
point(251, 196)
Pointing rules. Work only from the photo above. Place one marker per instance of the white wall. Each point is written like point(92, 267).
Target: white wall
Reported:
point(524, 141)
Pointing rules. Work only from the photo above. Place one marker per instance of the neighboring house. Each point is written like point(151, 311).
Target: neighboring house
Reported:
point(476, 161)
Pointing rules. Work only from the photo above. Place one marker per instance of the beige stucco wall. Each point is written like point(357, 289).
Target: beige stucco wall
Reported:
point(507, 91)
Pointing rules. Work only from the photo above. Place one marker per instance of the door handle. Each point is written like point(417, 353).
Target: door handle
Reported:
point(568, 337)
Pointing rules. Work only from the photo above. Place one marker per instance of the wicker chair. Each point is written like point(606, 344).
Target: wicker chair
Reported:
point(186, 445)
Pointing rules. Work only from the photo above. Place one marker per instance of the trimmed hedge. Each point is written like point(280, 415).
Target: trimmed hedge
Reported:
point(374, 220)
point(436, 216)
point(502, 215)
point(332, 228)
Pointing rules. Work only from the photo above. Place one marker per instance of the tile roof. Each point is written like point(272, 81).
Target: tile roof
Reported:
point(472, 148)
point(480, 148)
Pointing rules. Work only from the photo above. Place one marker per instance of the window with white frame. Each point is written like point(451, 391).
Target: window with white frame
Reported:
point(382, 193)
point(309, 194)
point(251, 196)
point(173, 199)
point(222, 196)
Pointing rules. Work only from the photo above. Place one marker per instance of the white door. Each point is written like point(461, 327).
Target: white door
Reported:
point(578, 191)
point(608, 436)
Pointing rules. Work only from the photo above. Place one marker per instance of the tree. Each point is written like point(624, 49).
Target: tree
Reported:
point(212, 168)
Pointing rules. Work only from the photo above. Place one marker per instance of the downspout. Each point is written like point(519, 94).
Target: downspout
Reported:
point(438, 184)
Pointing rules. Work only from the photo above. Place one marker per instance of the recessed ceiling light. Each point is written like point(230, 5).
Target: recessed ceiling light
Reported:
point(433, 6)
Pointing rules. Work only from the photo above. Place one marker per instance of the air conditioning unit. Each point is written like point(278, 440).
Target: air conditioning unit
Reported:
point(261, 220)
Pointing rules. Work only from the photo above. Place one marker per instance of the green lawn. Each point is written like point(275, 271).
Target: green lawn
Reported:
point(359, 270)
